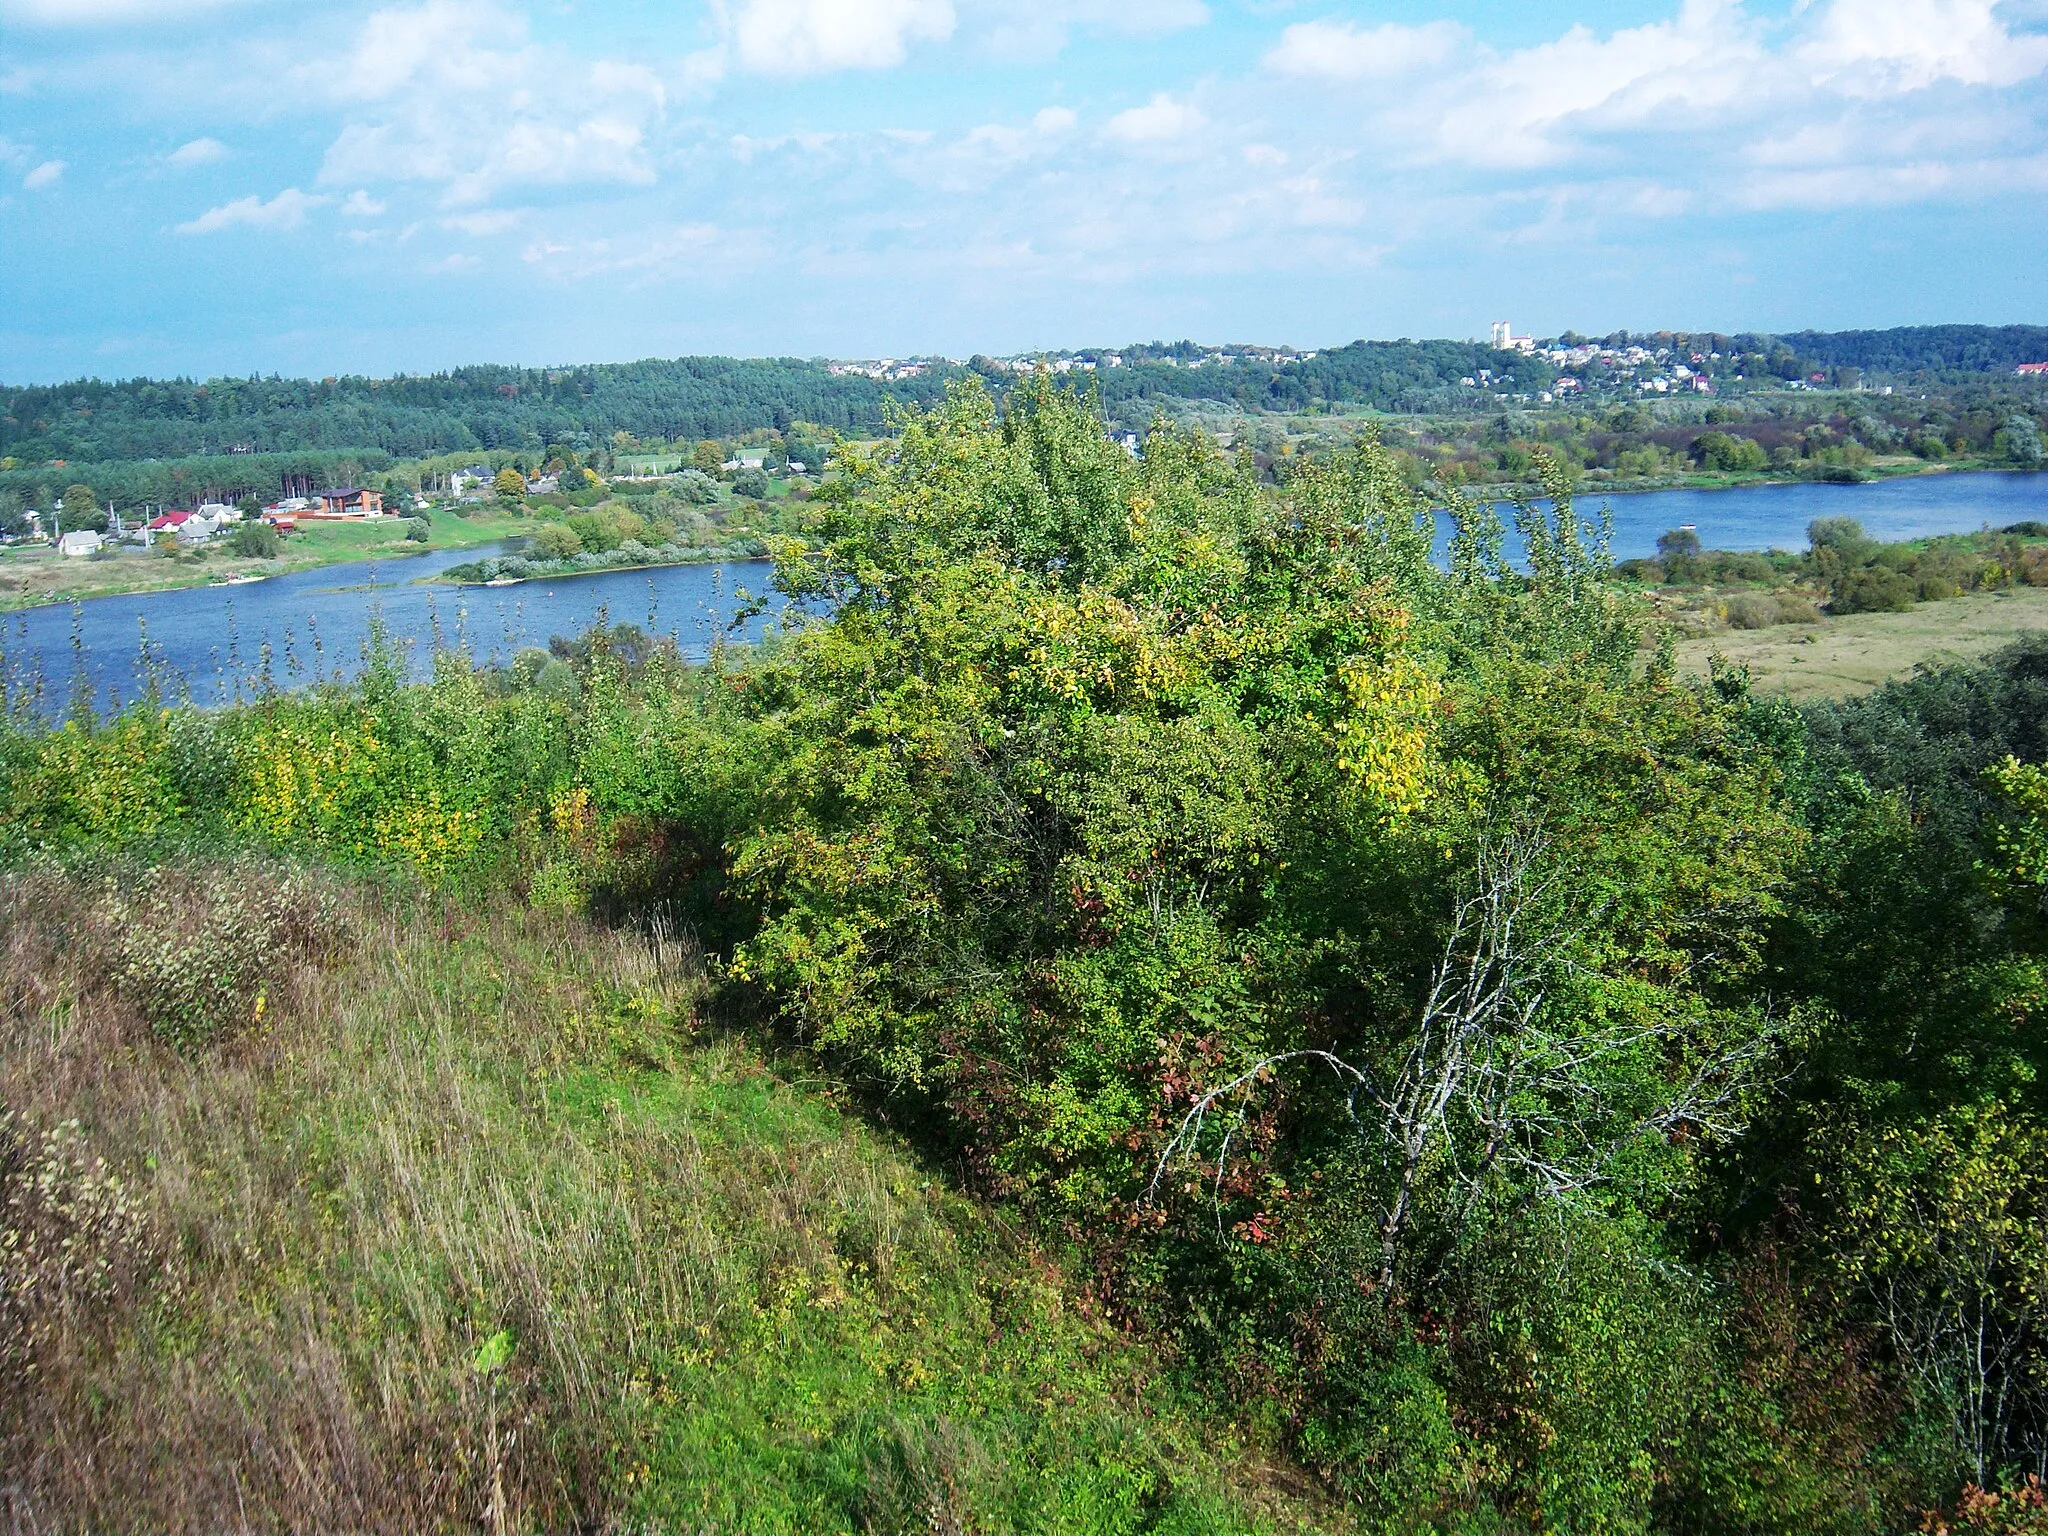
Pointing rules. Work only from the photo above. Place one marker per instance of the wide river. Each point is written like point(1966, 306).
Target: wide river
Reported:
point(214, 644)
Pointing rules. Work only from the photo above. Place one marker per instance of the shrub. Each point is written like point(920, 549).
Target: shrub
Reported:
point(416, 531)
point(1873, 589)
point(1752, 610)
point(255, 541)
point(750, 483)
point(196, 958)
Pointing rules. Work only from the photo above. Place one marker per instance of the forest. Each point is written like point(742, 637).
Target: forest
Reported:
point(370, 422)
point(1148, 1004)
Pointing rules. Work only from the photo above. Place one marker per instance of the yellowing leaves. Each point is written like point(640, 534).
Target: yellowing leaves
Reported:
point(1386, 730)
point(2021, 845)
point(110, 782)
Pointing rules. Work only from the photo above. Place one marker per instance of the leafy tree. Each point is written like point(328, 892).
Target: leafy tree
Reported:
point(557, 541)
point(510, 485)
point(1721, 451)
point(1679, 552)
point(81, 511)
point(2020, 441)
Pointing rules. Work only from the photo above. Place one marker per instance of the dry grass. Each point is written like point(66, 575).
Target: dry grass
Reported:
point(1840, 658)
point(247, 1285)
point(320, 1248)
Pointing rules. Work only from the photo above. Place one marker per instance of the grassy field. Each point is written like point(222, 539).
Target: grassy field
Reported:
point(468, 1219)
point(1842, 657)
point(33, 576)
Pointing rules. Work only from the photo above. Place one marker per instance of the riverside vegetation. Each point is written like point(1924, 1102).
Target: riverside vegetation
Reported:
point(1158, 1009)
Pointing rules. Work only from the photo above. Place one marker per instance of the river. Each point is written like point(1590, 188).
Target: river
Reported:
point(214, 644)
point(217, 644)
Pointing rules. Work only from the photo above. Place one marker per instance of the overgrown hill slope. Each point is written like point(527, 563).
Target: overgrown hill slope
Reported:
point(470, 1219)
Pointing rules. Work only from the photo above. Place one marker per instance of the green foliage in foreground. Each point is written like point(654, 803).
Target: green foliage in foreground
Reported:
point(1533, 1091)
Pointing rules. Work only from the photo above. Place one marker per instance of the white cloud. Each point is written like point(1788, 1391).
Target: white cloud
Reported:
point(287, 210)
point(48, 174)
point(1336, 50)
point(804, 37)
point(360, 205)
point(198, 152)
point(1162, 120)
point(1880, 46)
point(1028, 30)
point(1846, 186)
point(1000, 142)
point(452, 92)
point(1524, 110)
point(496, 222)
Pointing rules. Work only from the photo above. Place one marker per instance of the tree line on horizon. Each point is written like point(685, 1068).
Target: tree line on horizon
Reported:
point(498, 408)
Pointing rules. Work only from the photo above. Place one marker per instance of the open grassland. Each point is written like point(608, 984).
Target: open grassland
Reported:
point(471, 1220)
point(1852, 655)
point(31, 576)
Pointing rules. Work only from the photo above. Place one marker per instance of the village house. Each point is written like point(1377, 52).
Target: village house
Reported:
point(85, 543)
point(349, 501)
point(185, 525)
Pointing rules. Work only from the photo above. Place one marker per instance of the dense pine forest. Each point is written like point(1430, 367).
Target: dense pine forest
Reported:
point(1148, 1005)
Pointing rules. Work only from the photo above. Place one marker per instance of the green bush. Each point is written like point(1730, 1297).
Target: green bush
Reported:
point(255, 541)
point(1872, 589)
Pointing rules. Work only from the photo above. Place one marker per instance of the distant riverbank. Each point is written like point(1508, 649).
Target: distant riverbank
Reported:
point(517, 567)
point(33, 576)
point(1876, 472)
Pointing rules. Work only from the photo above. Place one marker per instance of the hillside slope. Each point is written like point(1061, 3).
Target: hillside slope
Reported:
point(471, 1219)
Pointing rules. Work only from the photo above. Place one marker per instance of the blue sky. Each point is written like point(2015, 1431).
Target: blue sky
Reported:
point(328, 186)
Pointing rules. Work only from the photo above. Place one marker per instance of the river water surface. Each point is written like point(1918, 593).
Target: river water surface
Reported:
point(215, 644)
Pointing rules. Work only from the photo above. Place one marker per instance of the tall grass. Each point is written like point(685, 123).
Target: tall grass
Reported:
point(473, 1221)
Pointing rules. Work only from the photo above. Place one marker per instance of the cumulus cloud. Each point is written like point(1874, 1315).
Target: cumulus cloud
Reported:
point(1877, 46)
point(1337, 50)
point(453, 93)
point(804, 37)
point(198, 152)
point(48, 174)
point(360, 205)
point(1522, 110)
point(287, 210)
point(1162, 120)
